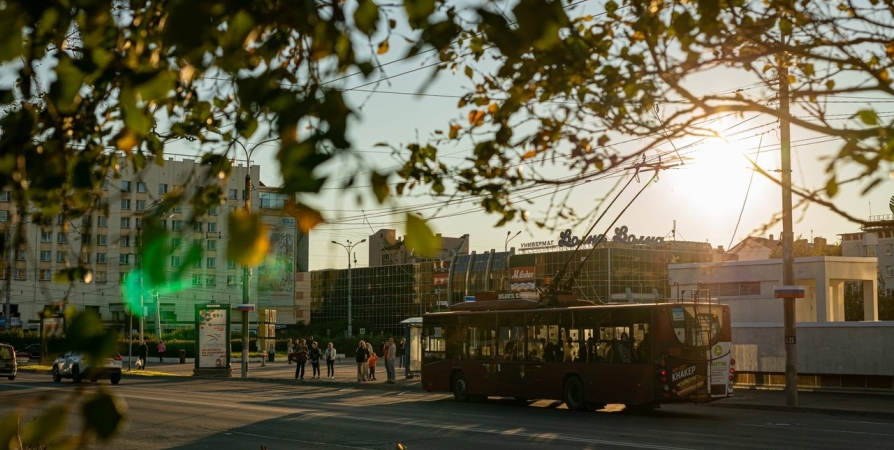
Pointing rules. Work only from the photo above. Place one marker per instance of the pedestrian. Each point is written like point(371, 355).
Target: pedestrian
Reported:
point(161, 351)
point(315, 356)
point(372, 365)
point(400, 352)
point(290, 348)
point(143, 354)
point(330, 356)
point(300, 359)
point(360, 356)
point(389, 361)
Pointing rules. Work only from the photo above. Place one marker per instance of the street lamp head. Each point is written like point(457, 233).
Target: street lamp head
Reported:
point(334, 242)
point(362, 241)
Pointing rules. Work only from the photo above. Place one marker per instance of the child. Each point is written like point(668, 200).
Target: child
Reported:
point(372, 365)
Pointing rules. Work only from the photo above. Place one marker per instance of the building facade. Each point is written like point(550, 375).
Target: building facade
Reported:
point(107, 241)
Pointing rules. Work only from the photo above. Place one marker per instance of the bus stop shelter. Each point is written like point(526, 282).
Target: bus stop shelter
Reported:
point(413, 352)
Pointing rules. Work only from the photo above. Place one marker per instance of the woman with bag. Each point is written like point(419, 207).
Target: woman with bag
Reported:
point(330, 356)
point(360, 356)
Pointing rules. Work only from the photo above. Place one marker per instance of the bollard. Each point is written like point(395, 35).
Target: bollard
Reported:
point(182, 356)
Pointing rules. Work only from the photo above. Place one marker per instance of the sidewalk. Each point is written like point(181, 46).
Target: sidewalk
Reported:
point(863, 404)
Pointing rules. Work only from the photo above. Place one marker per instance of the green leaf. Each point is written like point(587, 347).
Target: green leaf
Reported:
point(891, 204)
point(366, 17)
point(420, 239)
point(49, 424)
point(380, 186)
point(868, 117)
point(158, 87)
point(831, 187)
point(11, 24)
point(248, 241)
point(69, 80)
point(103, 414)
point(418, 11)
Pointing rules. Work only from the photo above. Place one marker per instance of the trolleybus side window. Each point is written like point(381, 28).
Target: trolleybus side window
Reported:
point(536, 335)
point(512, 342)
point(482, 337)
point(434, 343)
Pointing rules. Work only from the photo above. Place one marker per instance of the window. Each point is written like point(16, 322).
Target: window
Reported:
point(100, 258)
point(85, 221)
point(212, 245)
point(888, 249)
point(101, 239)
point(141, 205)
point(273, 200)
point(137, 241)
point(122, 277)
point(103, 204)
point(198, 263)
point(60, 257)
point(211, 262)
point(124, 259)
point(178, 209)
point(100, 276)
point(231, 264)
point(46, 275)
point(19, 274)
point(197, 226)
point(210, 280)
point(232, 194)
point(889, 271)
point(175, 242)
point(102, 221)
point(162, 188)
point(125, 203)
point(124, 241)
point(4, 216)
point(213, 211)
point(125, 186)
point(176, 225)
point(232, 280)
point(4, 196)
point(21, 255)
point(62, 238)
point(46, 236)
point(60, 219)
point(197, 279)
point(46, 256)
point(87, 258)
point(868, 250)
point(175, 261)
point(212, 227)
point(141, 188)
point(125, 222)
point(85, 238)
point(138, 223)
point(105, 184)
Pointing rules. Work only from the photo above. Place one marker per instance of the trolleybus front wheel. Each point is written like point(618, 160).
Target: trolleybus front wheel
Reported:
point(460, 387)
point(574, 396)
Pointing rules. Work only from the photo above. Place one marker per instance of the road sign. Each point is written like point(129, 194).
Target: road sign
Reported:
point(363, 331)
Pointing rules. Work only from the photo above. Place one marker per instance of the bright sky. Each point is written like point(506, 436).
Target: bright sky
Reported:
point(704, 198)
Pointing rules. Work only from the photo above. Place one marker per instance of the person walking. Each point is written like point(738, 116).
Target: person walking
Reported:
point(161, 351)
point(372, 365)
point(315, 356)
point(290, 348)
point(390, 356)
point(330, 356)
point(300, 360)
point(143, 354)
point(400, 352)
point(360, 356)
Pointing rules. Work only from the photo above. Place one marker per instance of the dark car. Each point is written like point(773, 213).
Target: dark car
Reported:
point(33, 350)
point(8, 365)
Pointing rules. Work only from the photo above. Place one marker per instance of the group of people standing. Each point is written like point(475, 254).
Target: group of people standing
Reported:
point(301, 353)
point(367, 359)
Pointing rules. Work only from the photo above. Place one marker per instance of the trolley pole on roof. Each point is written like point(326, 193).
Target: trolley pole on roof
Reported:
point(788, 256)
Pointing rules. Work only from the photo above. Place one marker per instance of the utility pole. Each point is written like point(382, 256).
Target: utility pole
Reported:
point(788, 256)
point(246, 280)
point(12, 246)
point(348, 248)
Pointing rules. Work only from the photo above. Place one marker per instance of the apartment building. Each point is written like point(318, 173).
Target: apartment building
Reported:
point(109, 245)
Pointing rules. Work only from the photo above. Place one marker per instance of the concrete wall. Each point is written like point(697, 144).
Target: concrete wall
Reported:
point(844, 348)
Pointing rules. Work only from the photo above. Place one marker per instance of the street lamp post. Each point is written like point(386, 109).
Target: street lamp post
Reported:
point(506, 244)
point(350, 246)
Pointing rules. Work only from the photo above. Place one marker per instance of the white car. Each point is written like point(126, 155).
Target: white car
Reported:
point(73, 365)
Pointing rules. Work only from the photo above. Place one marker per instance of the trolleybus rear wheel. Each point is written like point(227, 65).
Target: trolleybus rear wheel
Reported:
point(574, 396)
point(460, 388)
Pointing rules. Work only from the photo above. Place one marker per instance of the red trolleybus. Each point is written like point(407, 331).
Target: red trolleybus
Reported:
point(587, 356)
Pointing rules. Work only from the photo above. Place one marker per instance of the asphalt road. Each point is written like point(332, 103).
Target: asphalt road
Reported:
point(190, 413)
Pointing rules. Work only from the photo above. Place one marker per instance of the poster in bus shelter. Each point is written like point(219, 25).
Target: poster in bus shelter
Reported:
point(212, 337)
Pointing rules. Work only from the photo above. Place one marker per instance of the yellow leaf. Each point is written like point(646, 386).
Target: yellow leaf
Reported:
point(454, 131)
point(306, 217)
point(476, 118)
point(530, 154)
point(420, 239)
point(248, 241)
point(383, 47)
point(126, 140)
point(492, 108)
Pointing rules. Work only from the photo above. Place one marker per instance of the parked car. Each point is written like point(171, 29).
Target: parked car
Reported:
point(8, 365)
point(33, 350)
point(75, 366)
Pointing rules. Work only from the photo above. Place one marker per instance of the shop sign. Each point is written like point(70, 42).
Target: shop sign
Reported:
point(568, 239)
